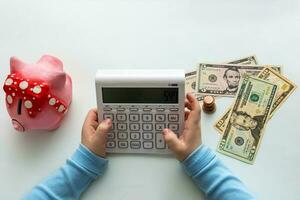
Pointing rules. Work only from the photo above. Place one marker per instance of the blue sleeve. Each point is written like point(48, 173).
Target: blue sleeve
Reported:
point(69, 181)
point(212, 177)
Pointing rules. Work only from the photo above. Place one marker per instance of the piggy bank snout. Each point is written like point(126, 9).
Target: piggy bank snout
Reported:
point(17, 125)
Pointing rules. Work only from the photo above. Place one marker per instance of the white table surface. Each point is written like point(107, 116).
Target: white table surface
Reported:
point(92, 34)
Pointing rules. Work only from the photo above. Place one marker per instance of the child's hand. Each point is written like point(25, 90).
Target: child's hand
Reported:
point(93, 134)
point(190, 139)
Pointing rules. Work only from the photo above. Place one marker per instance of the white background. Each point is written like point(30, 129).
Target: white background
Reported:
point(91, 34)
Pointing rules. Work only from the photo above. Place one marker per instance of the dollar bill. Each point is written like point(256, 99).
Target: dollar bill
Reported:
point(191, 77)
point(223, 79)
point(284, 85)
point(285, 89)
point(249, 60)
point(244, 129)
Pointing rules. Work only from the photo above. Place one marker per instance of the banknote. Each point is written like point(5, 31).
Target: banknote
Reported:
point(191, 77)
point(284, 85)
point(285, 89)
point(223, 79)
point(249, 60)
point(244, 129)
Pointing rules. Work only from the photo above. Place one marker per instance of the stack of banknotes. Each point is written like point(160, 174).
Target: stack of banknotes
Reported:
point(258, 92)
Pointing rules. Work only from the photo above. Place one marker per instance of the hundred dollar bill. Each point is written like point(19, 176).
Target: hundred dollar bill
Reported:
point(191, 77)
point(223, 79)
point(285, 89)
point(244, 129)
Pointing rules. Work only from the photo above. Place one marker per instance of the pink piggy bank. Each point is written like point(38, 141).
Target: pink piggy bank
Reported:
point(37, 95)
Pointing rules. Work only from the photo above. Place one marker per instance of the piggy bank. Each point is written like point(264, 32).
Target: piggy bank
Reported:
point(37, 95)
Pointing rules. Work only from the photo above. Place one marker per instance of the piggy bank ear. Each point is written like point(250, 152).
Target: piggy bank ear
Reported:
point(58, 80)
point(15, 65)
point(51, 61)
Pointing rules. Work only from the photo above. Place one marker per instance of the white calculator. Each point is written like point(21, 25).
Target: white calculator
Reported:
point(141, 103)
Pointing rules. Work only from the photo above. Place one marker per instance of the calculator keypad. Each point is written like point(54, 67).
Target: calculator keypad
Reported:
point(140, 128)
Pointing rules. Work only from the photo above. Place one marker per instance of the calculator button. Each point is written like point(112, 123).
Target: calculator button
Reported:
point(107, 109)
point(133, 109)
point(120, 109)
point(121, 117)
point(147, 117)
point(160, 117)
point(122, 135)
point(147, 136)
point(174, 127)
point(134, 126)
point(134, 117)
point(147, 109)
point(123, 144)
point(110, 135)
point(148, 145)
point(173, 117)
point(160, 126)
point(110, 144)
point(135, 144)
point(121, 126)
point(147, 127)
point(108, 115)
point(160, 109)
point(135, 135)
point(174, 109)
point(160, 143)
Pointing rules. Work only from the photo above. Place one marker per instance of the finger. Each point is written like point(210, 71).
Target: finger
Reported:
point(91, 116)
point(195, 114)
point(186, 114)
point(187, 105)
point(171, 140)
point(103, 128)
point(193, 102)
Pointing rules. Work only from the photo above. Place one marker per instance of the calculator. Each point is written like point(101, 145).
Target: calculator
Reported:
point(140, 103)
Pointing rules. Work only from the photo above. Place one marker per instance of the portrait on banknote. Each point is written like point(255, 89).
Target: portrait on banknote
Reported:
point(232, 78)
point(244, 122)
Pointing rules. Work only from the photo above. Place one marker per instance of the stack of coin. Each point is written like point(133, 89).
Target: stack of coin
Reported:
point(209, 105)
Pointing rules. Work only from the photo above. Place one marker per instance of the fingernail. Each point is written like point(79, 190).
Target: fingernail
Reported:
point(165, 131)
point(107, 121)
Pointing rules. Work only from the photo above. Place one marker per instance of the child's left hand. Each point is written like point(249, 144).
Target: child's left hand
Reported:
point(93, 134)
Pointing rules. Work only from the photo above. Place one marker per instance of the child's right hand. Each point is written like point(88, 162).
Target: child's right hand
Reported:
point(190, 138)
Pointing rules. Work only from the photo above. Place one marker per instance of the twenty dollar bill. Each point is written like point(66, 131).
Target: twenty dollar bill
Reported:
point(285, 89)
point(250, 111)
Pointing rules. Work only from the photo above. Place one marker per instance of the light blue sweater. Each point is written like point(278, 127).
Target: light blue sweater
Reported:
point(206, 170)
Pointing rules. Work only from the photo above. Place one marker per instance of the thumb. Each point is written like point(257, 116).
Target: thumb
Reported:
point(103, 128)
point(172, 140)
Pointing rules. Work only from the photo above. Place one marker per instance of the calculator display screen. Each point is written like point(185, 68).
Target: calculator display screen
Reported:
point(140, 95)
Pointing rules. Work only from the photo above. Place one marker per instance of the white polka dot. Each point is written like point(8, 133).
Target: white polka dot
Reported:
point(30, 113)
point(61, 108)
point(37, 89)
point(23, 85)
point(9, 88)
point(9, 81)
point(9, 99)
point(52, 101)
point(28, 104)
point(14, 94)
point(49, 95)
